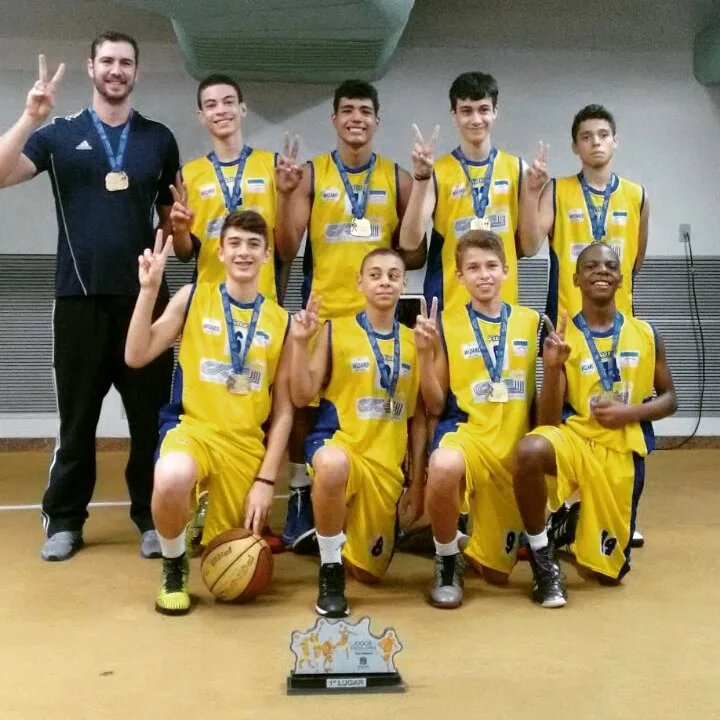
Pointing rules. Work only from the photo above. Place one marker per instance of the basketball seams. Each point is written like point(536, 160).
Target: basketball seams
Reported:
point(256, 541)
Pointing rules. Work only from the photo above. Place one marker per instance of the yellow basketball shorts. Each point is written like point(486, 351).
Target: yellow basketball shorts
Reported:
point(496, 521)
point(372, 496)
point(224, 469)
point(610, 485)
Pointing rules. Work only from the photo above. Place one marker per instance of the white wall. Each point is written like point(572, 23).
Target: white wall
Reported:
point(668, 125)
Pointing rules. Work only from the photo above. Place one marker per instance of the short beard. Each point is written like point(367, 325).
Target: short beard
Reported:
point(114, 99)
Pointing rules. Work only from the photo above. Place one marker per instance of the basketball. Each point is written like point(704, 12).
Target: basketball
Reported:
point(237, 566)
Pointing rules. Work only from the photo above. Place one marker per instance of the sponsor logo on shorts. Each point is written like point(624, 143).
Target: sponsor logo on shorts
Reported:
point(330, 194)
point(360, 364)
point(255, 185)
point(370, 408)
point(208, 191)
point(576, 215)
point(211, 326)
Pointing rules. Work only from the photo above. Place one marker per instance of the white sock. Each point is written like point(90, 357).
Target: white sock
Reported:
point(298, 475)
point(445, 549)
point(331, 547)
point(172, 548)
point(539, 541)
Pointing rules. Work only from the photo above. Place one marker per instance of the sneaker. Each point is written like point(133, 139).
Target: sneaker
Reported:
point(331, 600)
point(447, 590)
point(173, 597)
point(299, 531)
point(196, 526)
point(637, 540)
point(419, 542)
point(150, 545)
point(562, 525)
point(62, 545)
point(274, 542)
point(548, 589)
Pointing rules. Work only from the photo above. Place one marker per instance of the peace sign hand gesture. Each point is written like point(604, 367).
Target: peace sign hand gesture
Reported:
point(306, 322)
point(181, 216)
point(537, 173)
point(426, 327)
point(287, 173)
point(41, 98)
point(555, 350)
point(152, 264)
point(423, 153)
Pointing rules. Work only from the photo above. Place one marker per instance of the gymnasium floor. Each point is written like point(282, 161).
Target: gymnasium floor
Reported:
point(80, 640)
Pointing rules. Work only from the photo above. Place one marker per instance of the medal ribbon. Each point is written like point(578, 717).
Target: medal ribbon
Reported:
point(597, 219)
point(387, 381)
point(357, 204)
point(480, 195)
point(237, 355)
point(115, 161)
point(232, 200)
point(494, 368)
point(605, 379)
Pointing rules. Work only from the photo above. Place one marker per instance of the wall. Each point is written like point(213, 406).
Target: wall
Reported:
point(668, 125)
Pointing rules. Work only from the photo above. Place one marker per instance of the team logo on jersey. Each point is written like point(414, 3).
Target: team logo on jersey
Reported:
point(330, 194)
point(377, 197)
point(608, 543)
point(576, 215)
point(461, 226)
point(520, 348)
point(208, 191)
point(501, 187)
point(340, 232)
point(211, 327)
point(619, 217)
point(629, 358)
point(516, 385)
point(84, 145)
point(255, 185)
point(371, 408)
point(261, 339)
point(213, 228)
point(480, 391)
point(360, 364)
point(214, 371)
point(498, 220)
point(458, 191)
point(587, 366)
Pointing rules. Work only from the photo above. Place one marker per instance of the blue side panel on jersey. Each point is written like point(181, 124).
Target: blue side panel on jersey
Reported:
point(638, 485)
point(169, 416)
point(327, 424)
point(551, 305)
point(307, 271)
point(449, 421)
point(433, 285)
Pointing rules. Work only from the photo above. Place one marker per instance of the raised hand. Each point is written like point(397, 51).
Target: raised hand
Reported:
point(537, 173)
point(181, 216)
point(41, 98)
point(426, 329)
point(152, 264)
point(555, 350)
point(306, 322)
point(423, 153)
point(287, 173)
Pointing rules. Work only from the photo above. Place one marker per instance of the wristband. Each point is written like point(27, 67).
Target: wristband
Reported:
point(422, 178)
point(265, 481)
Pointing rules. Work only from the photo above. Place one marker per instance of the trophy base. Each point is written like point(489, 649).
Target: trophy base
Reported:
point(334, 683)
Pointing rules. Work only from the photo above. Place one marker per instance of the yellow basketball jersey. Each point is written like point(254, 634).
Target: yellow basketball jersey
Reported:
point(354, 407)
point(501, 424)
point(200, 392)
point(452, 217)
point(635, 363)
point(572, 233)
point(332, 255)
point(205, 199)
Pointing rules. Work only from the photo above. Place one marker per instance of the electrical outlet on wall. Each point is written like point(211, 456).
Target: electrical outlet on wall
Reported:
point(684, 232)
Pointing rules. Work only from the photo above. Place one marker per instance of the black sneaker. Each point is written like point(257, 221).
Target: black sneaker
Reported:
point(447, 590)
point(331, 600)
point(548, 589)
point(562, 525)
point(637, 540)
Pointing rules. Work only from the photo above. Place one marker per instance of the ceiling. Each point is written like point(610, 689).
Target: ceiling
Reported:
point(527, 24)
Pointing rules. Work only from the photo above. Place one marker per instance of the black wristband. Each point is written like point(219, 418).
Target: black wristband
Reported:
point(422, 178)
point(265, 481)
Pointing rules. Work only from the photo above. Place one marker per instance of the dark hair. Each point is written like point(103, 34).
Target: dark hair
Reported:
point(248, 220)
point(592, 112)
point(115, 37)
point(356, 90)
point(481, 239)
point(381, 251)
point(473, 86)
point(217, 79)
point(589, 248)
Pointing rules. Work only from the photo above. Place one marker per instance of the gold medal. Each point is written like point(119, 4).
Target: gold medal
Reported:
point(238, 383)
point(607, 396)
point(360, 227)
point(498, 392)
point(115, 181)
point(479, 223)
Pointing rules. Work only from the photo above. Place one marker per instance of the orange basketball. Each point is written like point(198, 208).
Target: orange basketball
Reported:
point(237, 566)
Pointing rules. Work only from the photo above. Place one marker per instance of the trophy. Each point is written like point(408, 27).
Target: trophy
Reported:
point(339, 656)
